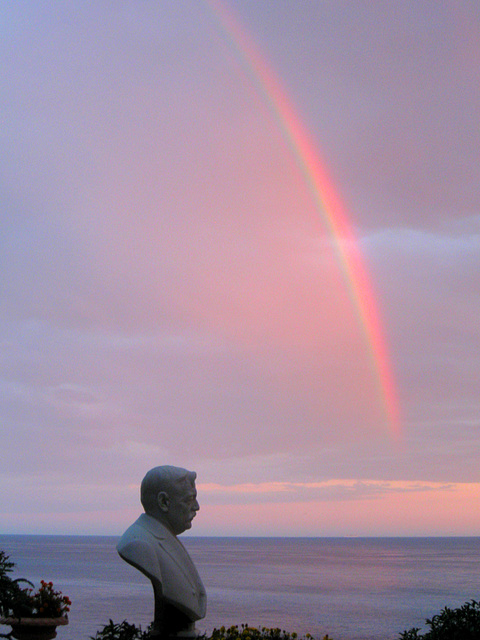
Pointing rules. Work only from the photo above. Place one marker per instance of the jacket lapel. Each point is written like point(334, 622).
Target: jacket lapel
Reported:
point(172, 546)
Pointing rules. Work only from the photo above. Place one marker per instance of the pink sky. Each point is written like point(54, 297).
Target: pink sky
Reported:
point(170, 292)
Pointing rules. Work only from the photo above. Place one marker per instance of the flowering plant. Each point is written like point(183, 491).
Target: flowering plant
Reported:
point(246, 632)
point(23, 602)
point(43, 603)
point(127, 631)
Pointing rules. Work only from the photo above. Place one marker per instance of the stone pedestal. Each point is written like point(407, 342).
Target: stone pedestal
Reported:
point(34, 628)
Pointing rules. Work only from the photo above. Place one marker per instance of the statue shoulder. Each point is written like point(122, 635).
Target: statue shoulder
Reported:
point(138, 547)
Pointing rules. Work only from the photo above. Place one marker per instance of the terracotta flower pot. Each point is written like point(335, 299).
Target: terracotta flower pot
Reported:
point(34, 628)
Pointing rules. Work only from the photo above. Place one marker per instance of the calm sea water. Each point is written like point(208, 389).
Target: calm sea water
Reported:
point(350, 588)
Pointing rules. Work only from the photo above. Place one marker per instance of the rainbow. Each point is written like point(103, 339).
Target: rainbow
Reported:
point(327, 202)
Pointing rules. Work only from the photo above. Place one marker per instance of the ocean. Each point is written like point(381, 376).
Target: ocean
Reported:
point(350, 588)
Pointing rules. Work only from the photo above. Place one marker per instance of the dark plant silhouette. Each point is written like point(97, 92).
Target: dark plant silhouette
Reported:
point(18, 601)
point(120, 631)
point(462, 623)
point(13, 597)
point(126, 631)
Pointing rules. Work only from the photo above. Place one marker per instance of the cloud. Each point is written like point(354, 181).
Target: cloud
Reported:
point(170, 292)
point(431, 295)
point(329, 490)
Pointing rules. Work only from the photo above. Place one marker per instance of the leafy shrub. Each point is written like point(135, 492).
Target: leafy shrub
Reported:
point(450, 624)
point(12, 596)
point(245, 632)
point(120, 631)
point(127, 631)
point(23, 602)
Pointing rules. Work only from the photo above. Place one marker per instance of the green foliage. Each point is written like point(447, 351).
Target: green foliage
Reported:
point(127, 631)
point(120, 631)
point(6, 566)
point(245, 632)
point(450, 624)
point(411, 634)
point(22, 602)
point(12, 596)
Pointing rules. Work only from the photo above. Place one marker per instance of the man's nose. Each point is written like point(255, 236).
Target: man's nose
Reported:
point(195, 505)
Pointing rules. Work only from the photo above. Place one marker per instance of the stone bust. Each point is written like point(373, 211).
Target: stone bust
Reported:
point(150, 544)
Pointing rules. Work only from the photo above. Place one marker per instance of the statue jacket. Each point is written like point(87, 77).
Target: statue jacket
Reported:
point(150, 547)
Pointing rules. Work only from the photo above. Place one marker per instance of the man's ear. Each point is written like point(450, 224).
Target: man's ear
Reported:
point(163, 501)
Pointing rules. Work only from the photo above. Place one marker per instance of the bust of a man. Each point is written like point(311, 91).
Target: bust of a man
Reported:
point(169, 498)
